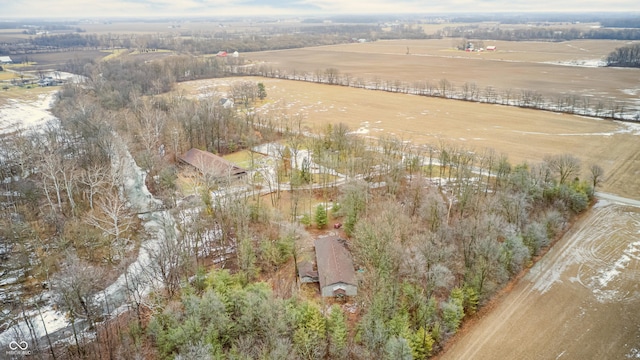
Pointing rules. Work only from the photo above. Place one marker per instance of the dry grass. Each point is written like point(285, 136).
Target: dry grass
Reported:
point(8, 75)
point(24, 93)
point(244, 158)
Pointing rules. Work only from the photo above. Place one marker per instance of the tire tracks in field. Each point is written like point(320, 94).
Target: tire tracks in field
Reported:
point(597, 261)
point(541, 277)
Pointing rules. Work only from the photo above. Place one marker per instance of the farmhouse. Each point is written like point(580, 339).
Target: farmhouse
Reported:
point(5, 60)
point(335, 268)
point(208, 163)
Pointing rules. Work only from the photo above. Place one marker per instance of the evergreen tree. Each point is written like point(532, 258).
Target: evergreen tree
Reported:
point(338, 332)
point(453, 310)
point(321, 216)
point(262, 92)
point(397, 348)
point(421, 344)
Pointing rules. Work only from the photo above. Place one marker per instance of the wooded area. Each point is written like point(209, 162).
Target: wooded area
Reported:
point(435, 230)
point(626, 56)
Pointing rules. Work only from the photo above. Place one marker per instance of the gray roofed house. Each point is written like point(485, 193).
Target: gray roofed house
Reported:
point(335, 268)
point(208, 163)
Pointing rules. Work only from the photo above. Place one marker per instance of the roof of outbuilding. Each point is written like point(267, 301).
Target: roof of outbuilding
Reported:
point(334, 262)
point(305, 268)
point(209, 163)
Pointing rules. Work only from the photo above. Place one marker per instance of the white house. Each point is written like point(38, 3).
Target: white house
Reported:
point(5, 60)
point(226, 103)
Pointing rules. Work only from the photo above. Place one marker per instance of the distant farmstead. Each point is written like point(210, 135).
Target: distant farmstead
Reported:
point(336, 274)
point(5, 60)
point(208, 163)
point(491, 48)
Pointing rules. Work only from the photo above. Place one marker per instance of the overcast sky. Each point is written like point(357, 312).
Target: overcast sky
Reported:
point(154, 8)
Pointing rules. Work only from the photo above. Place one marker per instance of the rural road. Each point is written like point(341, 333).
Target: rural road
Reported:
point(617, 199)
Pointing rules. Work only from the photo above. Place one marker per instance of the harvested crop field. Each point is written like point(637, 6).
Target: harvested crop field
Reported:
point(553, 69)
point(581, 301)
point(522, 134)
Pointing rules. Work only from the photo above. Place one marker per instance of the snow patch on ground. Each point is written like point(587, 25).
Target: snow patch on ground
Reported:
point(590, 63)
point(26, 114)
point(50, 322)
point(605, 277)
point(634, 353)
point(632, 92)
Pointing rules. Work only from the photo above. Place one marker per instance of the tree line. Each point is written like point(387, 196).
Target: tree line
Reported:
point(626, 56)
point(469, 91)
point(196, 42)
point(540, 33)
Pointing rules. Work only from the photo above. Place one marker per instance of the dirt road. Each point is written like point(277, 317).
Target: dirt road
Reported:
point(581, 301)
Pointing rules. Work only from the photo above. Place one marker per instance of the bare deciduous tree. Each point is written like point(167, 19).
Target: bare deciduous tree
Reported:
point(75, 286)
point(94, 178)
point(596, 173)
point(115, 218)
point(565, 166)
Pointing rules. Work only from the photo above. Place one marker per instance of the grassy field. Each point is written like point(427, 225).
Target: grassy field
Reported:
point(24, 94)
point(522, 134)
point(8, 75)
point(243, 158)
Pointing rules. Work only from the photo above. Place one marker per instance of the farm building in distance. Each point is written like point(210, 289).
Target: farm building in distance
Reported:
point(5, 60)
point(336, 274)
point(208, 163)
